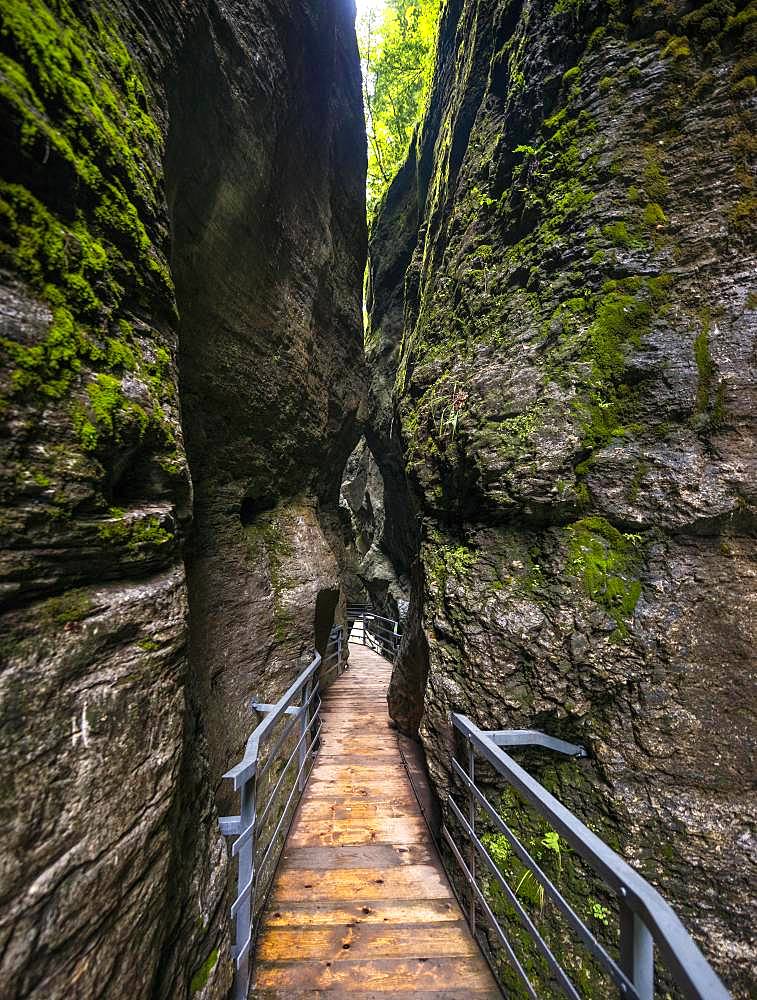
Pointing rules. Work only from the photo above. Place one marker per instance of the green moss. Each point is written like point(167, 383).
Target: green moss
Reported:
point(638, 478)
point(606, 561)
point(655, 181)
point(572, 75)
point(605, 84)
point(705, 368)
point(622, 316)
point(73, 606)
point(110, 417)
point(654, 215)
point(70, 85)
point(747, 85)
point(200, 978)
point(677, 49)
point(620, 235)
point(743, 213)
point(133, 534)
point(445, 561)
point(148, 645)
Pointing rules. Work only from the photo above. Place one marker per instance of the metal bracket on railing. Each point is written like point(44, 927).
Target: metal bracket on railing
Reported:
point(533, 738)
point(264, 708)
point(647, 924)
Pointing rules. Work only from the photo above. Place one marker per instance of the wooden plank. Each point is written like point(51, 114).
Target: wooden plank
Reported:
point(367, 855)
point(394, 830)
point(353, 941)
point(352, 772)
point(384, 975)
point(370, 911)
point(274, 994)
point(408, 882)
point(356, 809)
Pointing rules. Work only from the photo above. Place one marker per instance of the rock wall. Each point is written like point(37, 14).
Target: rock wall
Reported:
point(562, 326)
point(376, 569)
point(181, 251)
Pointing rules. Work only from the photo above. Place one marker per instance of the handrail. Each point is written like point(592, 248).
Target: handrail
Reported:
point(645, 918)
point(382, 638)
point(255, 777)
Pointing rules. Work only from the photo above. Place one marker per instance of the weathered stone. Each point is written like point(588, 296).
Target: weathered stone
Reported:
point(563, 329)
point(182, 243)
point(368, 563)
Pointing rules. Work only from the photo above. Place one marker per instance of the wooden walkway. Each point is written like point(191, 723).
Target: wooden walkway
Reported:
point(361, 907)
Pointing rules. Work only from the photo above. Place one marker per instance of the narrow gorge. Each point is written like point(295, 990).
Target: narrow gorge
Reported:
point(512, 410)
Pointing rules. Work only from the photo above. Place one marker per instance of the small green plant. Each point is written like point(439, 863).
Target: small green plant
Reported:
point(599, 912)
point(530, 888)
point(551, 840)
point(450, 415)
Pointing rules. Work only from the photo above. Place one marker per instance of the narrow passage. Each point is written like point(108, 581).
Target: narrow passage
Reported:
point(361, 906)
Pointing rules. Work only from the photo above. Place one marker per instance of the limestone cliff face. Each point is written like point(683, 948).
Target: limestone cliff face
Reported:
point(181, 245)
point(373, 562)
point(563, 289)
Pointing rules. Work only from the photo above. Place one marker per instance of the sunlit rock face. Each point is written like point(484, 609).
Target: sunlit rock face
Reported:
point(182, 247)
point(563, 318)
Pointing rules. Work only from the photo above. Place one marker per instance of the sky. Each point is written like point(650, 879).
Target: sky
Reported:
point(363, 6)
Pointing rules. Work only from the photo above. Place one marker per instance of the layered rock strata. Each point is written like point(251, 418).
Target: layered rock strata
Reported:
point(563, 324)
point(181, 244)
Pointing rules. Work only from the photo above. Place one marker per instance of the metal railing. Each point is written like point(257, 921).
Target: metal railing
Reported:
point(333, 661)
point(287, 737)
point(646, 921)
point(378, 633)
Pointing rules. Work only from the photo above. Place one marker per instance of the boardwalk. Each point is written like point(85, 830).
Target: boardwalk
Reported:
point(361, 907)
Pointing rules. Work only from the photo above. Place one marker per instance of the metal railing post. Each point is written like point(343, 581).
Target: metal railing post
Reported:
point(248, 795)
point(339, 652)
point(303, 750)
point(472, 821)
point(636, 951)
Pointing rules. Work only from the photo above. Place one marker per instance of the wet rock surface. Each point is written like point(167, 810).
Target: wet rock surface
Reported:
point(563, 321)
point(181, 247)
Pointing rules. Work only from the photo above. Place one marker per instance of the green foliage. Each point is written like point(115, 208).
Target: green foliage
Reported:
point(396, 51)
point(599, 912)
point(655, 181)
point(445, 561)
point(654, 215)
point(677, 49)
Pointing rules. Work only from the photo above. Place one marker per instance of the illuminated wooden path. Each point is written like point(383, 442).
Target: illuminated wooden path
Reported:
point(361, 906)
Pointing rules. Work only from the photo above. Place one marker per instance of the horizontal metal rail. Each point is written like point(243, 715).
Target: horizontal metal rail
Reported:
point(288, 738)
point(375, 631)
point(645, 919)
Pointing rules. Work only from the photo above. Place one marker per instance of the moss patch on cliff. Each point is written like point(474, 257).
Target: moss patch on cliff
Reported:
point(80, 219)
point(607, 563)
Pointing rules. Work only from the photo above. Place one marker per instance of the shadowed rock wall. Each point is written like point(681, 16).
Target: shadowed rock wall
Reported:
point(563, 319)
point(181, 250)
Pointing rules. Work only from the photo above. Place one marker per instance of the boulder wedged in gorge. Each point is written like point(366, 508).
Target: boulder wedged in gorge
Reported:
point(182, 244)
point(564, 316)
